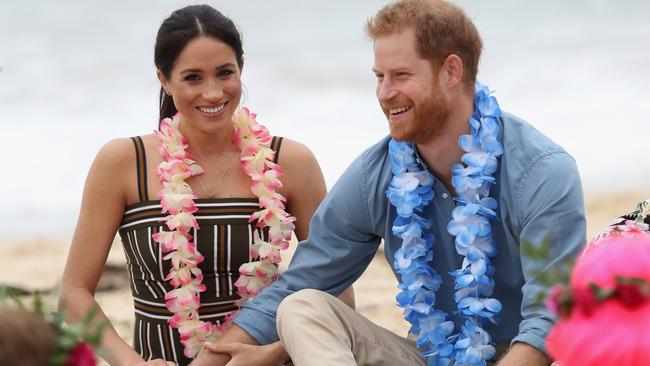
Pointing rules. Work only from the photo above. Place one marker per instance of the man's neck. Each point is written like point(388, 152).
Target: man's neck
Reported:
point(442, 152)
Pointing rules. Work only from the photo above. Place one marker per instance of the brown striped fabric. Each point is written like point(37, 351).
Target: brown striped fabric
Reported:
point(141, 166)
point(224, 238)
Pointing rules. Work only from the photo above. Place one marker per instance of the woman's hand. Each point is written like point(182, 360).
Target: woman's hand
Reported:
point(156, 362)
point(245, 354)
point(207, 358)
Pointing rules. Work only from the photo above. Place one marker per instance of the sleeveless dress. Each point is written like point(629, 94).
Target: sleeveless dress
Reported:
point(224, 238)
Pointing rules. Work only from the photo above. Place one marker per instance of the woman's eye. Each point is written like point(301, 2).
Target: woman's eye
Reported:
point(192, 77)
point(224, 73)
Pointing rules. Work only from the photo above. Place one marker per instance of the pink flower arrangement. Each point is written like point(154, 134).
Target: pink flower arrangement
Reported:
point(177, 200)
point(604, 315)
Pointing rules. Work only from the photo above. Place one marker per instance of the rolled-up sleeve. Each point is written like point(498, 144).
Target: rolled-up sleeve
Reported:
point(551, 207)
point(338, 249)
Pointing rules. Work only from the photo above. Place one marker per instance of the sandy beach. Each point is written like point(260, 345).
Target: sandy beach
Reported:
point(37, 265)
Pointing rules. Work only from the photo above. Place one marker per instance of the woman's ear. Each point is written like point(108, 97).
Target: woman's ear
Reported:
point(163, 81)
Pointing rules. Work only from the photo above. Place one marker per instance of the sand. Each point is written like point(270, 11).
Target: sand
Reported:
point(37, 264)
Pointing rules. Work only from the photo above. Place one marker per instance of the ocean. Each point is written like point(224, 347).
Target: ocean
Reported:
point(75, 74)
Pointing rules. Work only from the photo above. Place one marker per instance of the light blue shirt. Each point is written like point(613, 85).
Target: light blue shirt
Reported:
point(539, 194)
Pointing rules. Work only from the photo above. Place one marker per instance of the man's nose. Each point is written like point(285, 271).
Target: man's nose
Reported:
point(386, 90)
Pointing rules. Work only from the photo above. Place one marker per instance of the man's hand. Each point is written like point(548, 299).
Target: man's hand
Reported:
point(245, 354)
point(524, 354)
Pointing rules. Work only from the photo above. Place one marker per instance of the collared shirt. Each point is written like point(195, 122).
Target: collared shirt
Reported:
point(539, 197)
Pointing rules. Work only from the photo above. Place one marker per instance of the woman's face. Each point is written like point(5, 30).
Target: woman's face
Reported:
point(205, 84)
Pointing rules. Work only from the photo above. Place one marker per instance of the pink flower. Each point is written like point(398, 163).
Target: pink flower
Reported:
point(170, 240)
point(81, 355)
point(182, 221)
point(185, 254)
point(554, 298)
point(265, 250)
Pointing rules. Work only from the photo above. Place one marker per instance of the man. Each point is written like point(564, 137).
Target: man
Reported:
point(426, 60)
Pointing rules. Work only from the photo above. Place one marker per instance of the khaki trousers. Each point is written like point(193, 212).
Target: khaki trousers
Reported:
point(319, 329)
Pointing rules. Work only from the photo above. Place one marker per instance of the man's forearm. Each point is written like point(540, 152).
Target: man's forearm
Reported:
point(524, 354)
point(236, 334)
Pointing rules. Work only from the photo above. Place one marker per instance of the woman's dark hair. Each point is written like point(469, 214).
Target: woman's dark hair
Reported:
point(179, 29)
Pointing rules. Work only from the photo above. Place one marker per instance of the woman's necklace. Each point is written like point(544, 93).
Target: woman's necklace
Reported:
point(177, 201)
point(216, 188)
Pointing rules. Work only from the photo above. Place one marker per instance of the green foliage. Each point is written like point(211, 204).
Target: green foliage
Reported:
point(68, 335)
point(547, 269)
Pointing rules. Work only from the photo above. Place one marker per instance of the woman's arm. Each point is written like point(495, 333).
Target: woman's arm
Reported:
point(102, 208)
point(304, 189)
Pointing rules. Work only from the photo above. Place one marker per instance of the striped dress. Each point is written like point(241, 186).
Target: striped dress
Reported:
point(224, 239)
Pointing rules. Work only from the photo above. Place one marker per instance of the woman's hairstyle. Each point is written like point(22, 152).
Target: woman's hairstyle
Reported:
point(181, 27)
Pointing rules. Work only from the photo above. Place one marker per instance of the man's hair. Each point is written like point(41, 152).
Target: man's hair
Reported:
point(441, 29)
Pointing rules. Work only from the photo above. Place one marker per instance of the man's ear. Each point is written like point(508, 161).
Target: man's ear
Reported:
point(453, 69)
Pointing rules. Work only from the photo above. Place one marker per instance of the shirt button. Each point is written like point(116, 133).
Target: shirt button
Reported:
point(445, 195)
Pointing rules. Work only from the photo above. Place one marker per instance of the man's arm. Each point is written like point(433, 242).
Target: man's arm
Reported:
point(339, 247)
point(551, 207)
point(524, 354)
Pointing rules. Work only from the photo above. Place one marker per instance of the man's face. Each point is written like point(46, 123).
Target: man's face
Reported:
point(408, 89)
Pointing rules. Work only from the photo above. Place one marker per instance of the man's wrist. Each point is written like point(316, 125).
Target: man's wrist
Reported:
point(236, 334)
point(524, 354)
point(279, 354)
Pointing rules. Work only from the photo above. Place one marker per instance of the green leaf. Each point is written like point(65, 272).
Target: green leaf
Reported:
point(601, 293)
point(89, 317)
point(4, 294)
point(67, 341)
point(37, 303)
point(59, 358)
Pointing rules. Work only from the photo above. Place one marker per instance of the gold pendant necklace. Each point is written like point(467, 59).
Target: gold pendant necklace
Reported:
point(205, 188)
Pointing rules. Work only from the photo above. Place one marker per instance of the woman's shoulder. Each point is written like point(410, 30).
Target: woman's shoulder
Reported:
point(122, 151)
point(294, 153)
point(300, 169)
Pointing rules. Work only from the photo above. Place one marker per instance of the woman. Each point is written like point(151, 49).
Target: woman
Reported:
point(199, 59)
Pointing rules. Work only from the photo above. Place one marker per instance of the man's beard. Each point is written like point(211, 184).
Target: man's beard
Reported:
point(429, 121)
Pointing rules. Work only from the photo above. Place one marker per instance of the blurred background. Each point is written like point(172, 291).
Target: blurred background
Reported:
point(75, 74)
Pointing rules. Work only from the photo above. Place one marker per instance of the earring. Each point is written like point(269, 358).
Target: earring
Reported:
point(168, 93)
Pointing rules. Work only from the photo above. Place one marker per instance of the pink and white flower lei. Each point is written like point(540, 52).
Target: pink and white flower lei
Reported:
point(177, 200)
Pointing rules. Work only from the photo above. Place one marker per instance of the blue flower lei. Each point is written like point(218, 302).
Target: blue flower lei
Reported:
point(410, 191)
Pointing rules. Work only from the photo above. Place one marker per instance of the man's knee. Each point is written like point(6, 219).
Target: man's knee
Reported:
point(307, 298)
point(300, 306)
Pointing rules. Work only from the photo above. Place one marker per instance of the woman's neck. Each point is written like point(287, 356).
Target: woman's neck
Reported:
point(207, 146)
